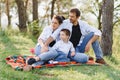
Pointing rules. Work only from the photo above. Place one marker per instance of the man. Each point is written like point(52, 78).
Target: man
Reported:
point(82, 37)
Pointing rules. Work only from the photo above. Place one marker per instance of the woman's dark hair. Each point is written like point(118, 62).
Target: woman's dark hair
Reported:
point(59, 18)
point(76, 11)
point(66, 31)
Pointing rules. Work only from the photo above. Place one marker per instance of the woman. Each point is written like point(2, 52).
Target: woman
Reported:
point(46, 33)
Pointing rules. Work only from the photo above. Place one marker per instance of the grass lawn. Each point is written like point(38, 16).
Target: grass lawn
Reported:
point(11, 44)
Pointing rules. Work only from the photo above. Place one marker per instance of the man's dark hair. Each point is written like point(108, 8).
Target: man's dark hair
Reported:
point(76, 11)
point(66, 31)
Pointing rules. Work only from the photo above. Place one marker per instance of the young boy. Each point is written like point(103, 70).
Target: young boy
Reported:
point(64, 46)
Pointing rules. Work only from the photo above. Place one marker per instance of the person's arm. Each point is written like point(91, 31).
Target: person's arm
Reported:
point(97, 33)
point(40, 41)
point(72, 50)
point(46, 31)
point(55, 34)
point(48, 41)
point(90, 28)
point(94, 38)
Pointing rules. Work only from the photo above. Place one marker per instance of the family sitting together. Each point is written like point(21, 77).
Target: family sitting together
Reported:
point(67, 40)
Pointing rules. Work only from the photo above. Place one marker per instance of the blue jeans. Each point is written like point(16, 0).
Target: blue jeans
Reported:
point(51, 54)
point(62, 57)
point(79, 57)
point(82, 58)
point(95, 45)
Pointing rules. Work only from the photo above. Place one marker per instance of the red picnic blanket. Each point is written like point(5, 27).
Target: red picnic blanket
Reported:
point(19, 62)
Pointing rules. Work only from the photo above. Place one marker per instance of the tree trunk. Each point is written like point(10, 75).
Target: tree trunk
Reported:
point(107, 26)
point(52, 8)
point(0, 14)
point(99, 17)
point(58, 6)
point(35, 9)
point(8, 12)
point(22, 15)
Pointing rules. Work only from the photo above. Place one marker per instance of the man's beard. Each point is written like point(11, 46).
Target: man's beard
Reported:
point(71, 21)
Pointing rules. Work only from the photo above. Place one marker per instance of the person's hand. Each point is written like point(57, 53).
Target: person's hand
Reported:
point(36, 58)
point(44, 49)
point(87, 48)
point(73, 54)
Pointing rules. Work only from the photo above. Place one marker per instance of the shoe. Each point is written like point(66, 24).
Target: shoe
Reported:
point(101, 61)
point(91, 58)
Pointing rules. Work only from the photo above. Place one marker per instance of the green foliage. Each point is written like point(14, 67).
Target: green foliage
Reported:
point(34, 29)
point(9, 31)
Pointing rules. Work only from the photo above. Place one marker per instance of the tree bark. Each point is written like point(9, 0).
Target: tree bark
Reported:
point(99, 16)
point(0, 14)
point(35, 10)
point(8, 12)
point(107, 26)
point(52, 8)
point(22, 15)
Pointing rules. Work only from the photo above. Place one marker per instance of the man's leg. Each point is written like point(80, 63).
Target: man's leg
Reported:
point(81, 48)
point(97, 50)
point(96, 47)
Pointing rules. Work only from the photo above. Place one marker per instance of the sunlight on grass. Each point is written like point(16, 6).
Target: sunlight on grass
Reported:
point(19, 44)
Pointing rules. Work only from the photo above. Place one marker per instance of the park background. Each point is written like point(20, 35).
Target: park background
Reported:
point(21, 22)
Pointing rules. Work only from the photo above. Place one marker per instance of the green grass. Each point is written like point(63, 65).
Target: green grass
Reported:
point(15, 43)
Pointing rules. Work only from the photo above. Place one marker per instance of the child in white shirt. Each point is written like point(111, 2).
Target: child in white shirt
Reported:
point(64, 46)
point(46, 33)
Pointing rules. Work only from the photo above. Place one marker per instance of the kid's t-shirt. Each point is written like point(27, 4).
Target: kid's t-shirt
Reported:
point(64, 47)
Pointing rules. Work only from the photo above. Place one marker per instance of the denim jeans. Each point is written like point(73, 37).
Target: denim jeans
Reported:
point(58, 56)
point(79, 57)
point(95, 45)
point(51, 54)
point(62, 57)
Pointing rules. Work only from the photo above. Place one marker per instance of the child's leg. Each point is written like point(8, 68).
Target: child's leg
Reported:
point(51, 54)
point(38, 63)
point(79, 57)
point(62, 57)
